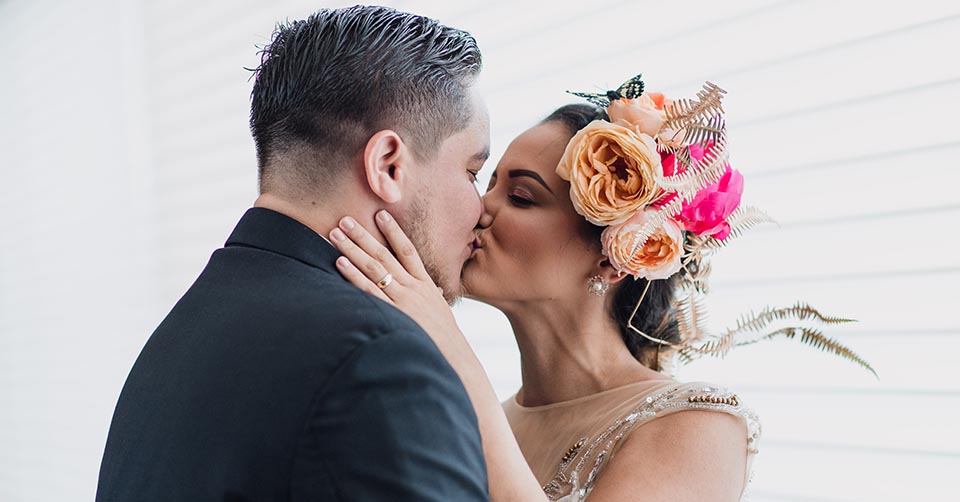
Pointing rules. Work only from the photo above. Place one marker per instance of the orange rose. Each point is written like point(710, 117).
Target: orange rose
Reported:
point(658, 258)
point(611, 172)
point(646, 115)
point(641, 114)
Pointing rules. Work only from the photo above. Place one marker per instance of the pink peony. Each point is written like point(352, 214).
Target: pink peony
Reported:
point(707, 213)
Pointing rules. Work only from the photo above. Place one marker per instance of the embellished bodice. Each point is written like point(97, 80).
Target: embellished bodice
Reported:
point(567, 444)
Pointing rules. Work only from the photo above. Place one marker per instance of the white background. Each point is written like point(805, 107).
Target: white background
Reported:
point(125, 160)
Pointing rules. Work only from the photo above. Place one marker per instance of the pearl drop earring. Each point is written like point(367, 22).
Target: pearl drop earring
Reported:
point(597, 286)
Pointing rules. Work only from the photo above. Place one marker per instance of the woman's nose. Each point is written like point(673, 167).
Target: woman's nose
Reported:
point(486, 213)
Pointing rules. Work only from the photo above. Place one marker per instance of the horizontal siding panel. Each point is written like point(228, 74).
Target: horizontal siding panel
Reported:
point(762, 78)
point(731, 34)
point(908, 361)
point(915, 299)
point(850, 187)
point(879, 423)
point(842, 247)
point(859, 129)
point(810, 474)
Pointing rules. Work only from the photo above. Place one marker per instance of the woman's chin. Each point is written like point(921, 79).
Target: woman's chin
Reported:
point(472, 282)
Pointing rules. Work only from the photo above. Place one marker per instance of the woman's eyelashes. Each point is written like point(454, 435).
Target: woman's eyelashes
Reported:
point(520, 196)
point(520, 201)
point(473, 175)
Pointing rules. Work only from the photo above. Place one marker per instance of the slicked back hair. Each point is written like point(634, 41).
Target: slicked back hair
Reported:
point(328, 83)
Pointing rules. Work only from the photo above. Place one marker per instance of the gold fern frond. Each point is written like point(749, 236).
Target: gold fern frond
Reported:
point(704, 172)
point(685, 356)
point(816, 339)
point(710, 131)
point(668, 149)
point(804, 312)
point(746, 217)
point(742, 219)
point(799, 311)
point(691, 315)
point(710, 92)
point(665, 212)
point(683, 158)
point(717, 347)
point(695, 266)
point(683, 113)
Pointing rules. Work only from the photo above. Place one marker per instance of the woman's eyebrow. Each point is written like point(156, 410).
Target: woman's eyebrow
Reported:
point(530, 174)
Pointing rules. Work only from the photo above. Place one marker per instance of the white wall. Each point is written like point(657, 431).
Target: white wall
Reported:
point(125, 160)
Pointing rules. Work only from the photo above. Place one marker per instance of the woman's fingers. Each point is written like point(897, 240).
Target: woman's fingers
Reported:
point(405, 251)
point(359, 279)
point(368, 255)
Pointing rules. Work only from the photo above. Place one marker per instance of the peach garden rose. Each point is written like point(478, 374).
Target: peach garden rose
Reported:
point(611, 172)
point(646, 114)
point(658, 258)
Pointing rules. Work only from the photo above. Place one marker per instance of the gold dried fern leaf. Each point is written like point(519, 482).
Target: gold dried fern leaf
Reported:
point(692, 317)
point(804, 312)
point(710, 92)
point(717, 347)
point(665, 148)
point(712, 130)
point(742, 219)
point(667, 211)
point(686, 356)
point(816, 339)
point(799, 311)
point(685, 112)
point(746, 217)
point(702, 173)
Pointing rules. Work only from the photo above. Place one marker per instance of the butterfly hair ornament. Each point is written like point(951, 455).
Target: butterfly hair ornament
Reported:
point(657, 177)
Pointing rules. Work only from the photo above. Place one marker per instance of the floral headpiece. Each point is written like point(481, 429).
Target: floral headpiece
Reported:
point(657, 176)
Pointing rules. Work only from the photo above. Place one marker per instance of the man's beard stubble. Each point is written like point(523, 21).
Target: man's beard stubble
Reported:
point(416, 228)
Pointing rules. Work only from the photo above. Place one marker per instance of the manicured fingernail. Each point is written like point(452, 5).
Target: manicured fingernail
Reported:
point(337, 235)
point(383, 216)
point(343, 262)
point(347, 223)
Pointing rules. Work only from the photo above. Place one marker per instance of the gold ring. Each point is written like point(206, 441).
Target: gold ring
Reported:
point(383, 283)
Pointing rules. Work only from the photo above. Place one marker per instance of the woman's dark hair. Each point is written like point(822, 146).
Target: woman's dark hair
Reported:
point(655, 316)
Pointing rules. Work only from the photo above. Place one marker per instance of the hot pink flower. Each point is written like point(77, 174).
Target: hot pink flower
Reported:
point(707, 213)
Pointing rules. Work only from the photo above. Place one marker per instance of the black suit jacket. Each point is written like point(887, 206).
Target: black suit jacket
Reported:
point(274, 379)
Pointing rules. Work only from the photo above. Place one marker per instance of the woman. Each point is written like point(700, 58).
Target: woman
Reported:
point(595, 416)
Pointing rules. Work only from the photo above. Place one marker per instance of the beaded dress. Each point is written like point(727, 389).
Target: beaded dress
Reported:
point(567, 444)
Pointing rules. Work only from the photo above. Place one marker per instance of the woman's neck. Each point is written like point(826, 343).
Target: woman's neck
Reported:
point(567, 353)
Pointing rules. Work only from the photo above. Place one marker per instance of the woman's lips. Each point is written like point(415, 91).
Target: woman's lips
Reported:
point(474, 246)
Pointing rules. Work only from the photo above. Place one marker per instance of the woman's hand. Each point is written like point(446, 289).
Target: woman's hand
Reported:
point(400, 280)
point(366, 263)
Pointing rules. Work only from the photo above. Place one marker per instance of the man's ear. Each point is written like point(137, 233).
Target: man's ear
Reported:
point(385, 165)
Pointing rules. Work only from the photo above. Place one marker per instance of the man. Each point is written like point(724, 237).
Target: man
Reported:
point(275, 379)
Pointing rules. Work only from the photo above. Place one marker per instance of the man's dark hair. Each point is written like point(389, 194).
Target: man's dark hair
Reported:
point(328, 83)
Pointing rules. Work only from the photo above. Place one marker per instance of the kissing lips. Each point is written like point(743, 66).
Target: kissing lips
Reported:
point(475, 245)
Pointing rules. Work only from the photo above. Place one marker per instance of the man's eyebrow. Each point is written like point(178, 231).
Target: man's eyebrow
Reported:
point(482, 156)
point(530, 174)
